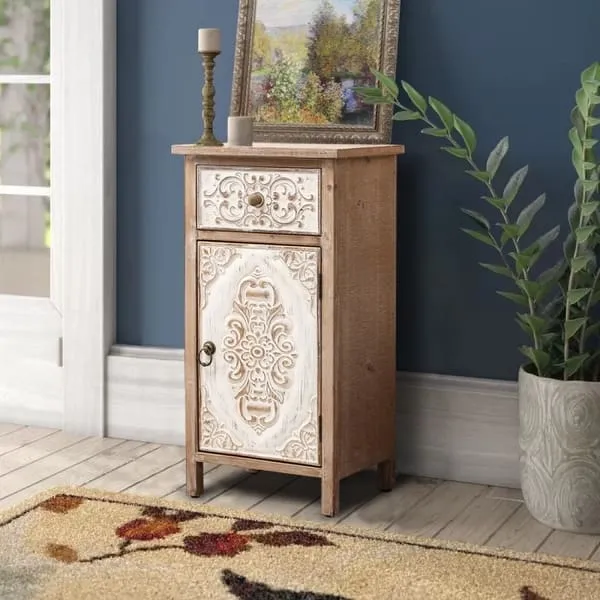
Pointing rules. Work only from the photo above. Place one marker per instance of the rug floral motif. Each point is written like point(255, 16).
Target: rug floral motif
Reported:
point(80, 544)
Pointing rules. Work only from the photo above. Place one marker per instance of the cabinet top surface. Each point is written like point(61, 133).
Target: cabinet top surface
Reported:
point(271, 150)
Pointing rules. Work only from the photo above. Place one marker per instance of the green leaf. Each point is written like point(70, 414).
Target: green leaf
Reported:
point(523, 261)
point(536, 324)
point(467, 134)
point(573, 364)
point(498, 203)
point(498, 269)
point(372, 95)
point(575, 140)
point(406, 115)
point(577, 161)
point(518, 298)
point(434, 132)
point(582, 234)
point(539, 358)
point(528, 213)
point(368, 91)
point(576, 295)
point(378, 100)
point(416, 98)
point(579, 263)
point(569, 246)
point(553, 274)
point(545, 240)
point(531, 288)
point(552, 310)
point(443, 112)
point(486, 239)
point(572, 326)
point(458, 152)
point(573, 215)
point(510, 231)
point(483, 176)
point(591, 73)
point(589, 208)
point(514, 185)
point(589, 144)
point(477, 218)
point(496, 156)
point(387, 83)
point(589, 185)
point(582, 102)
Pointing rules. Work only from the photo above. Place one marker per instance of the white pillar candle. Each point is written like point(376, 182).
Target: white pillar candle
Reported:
point(209, 40)
point(240, 131)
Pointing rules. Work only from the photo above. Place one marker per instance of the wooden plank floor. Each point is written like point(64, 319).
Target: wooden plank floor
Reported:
point(33, 459)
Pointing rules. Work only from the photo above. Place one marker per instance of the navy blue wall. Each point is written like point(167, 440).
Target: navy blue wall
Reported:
point(509, 68)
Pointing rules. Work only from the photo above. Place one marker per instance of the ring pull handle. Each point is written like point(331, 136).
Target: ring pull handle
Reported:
point(256, 199)
point(209, 349)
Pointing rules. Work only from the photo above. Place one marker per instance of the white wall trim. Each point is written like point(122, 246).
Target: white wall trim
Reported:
point(89, 208)
point(454, 428)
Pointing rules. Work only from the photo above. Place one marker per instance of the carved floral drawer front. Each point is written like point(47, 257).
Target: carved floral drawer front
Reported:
point(259, 307)
point(253, 199)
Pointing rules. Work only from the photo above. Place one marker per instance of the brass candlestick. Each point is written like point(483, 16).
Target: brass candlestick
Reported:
point(208, 96)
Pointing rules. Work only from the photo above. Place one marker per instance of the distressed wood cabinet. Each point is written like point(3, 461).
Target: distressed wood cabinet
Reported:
point(290, 274)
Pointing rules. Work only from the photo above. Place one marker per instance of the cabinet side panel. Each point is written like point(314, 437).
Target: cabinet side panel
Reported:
point(191, 303)
point(365, 303)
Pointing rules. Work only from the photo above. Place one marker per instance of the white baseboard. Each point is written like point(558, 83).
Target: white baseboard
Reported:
point(31, 388)
point(454, 428)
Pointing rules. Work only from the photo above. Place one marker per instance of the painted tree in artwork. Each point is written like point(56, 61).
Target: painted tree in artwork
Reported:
point(364, 31)
point(327, 42)
point(261, 51)
point(24, 119)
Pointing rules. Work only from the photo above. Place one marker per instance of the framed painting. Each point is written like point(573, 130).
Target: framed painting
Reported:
point(298, 62)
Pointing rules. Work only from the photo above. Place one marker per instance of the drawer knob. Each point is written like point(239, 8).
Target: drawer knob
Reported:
point(209, 349)
point(256, 199)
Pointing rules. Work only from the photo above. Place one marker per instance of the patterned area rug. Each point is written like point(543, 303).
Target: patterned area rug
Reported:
point(78, 544)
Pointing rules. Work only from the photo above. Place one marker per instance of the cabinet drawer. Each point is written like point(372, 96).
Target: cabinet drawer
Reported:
point(256, 199)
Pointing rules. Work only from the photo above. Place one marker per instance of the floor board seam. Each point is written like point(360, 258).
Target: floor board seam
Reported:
point(546, 537)
point(13, 430)
point(275, 491)
point(465, 508)
point(33, 462)
point(128, 462)
point(56, 472)
point(43, 437)
point(178, 462)
point(435, 487)
point(510, 516)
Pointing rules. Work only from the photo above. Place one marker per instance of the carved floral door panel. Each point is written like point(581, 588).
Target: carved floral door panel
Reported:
point(259, 306)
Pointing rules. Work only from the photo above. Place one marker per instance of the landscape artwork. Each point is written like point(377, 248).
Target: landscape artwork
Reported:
point(306, 57)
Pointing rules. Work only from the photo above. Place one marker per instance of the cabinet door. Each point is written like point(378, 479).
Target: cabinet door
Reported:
point(259, 306)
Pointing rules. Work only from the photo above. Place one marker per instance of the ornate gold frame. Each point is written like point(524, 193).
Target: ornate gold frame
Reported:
point(381, 133)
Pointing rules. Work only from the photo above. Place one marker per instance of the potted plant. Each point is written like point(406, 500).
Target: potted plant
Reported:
point(559, 387)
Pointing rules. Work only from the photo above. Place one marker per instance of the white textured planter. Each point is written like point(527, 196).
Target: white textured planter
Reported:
point(559, 437)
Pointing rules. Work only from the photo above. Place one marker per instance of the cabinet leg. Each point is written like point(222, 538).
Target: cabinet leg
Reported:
point(386, 474)
point(195, 478)
point(330, 497)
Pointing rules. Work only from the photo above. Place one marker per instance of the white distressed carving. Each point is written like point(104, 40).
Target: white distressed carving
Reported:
point(262, 386)
point(291, 199)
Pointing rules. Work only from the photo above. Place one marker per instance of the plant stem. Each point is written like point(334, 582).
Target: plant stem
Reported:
point(575, 255)
point(492, 191)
